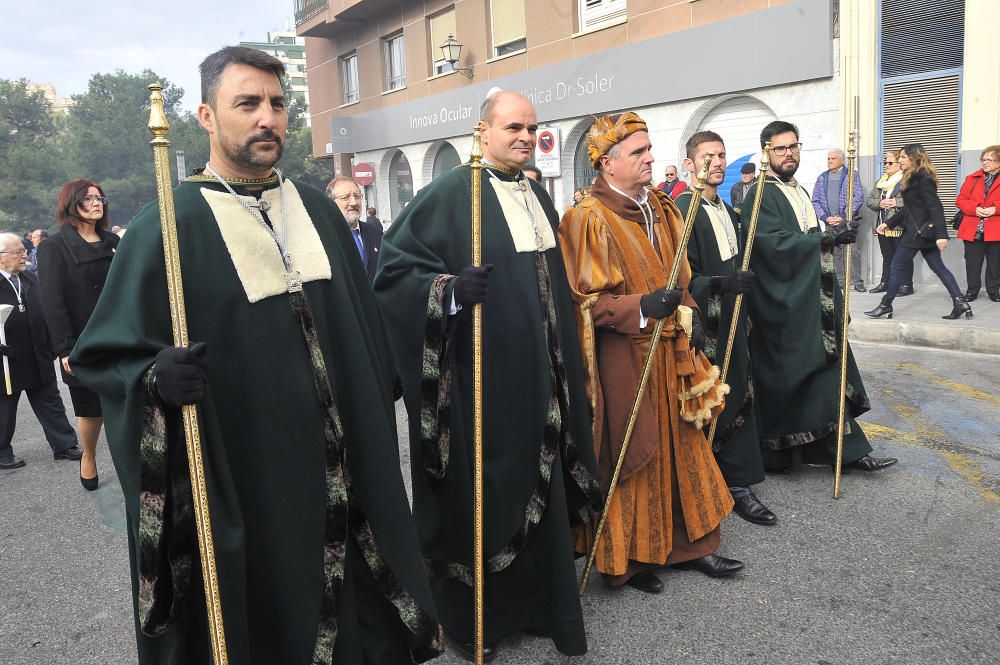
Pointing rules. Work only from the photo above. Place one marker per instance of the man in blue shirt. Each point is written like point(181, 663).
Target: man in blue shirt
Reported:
point(830, 202)
point(367, 237)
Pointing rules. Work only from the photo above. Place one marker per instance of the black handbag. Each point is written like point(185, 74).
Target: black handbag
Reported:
point(926, 231)
point(956, 221)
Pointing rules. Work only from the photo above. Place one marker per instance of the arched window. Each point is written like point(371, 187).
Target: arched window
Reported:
point(445, 160)
point(583, 172)
point(738, 121)
point(400, 183)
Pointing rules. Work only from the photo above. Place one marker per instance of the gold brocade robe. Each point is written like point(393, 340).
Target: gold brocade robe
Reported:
point(611, 264)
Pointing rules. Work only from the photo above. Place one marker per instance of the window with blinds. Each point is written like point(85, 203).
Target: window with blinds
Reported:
point(596, 13)
point(441, 26)
point(926, 111)
point(349, 79)
point(508, 26)
point(395, 62)
point(921, 36)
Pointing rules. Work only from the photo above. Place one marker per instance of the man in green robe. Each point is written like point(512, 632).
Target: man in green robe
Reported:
point(796, 307)
point(317, 558)
point(538, 458)
point(716, 256)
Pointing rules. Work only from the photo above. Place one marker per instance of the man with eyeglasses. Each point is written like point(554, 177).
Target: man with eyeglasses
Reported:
point(796, 310)
point(672, 185)
point(29, 360)
point(367, 237)
point(829, 198)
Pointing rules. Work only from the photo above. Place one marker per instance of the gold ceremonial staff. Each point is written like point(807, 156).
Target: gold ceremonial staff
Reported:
point(679, 256)
point(159, 126)
point(765, 161)
point(845, 314)
point(476, 167)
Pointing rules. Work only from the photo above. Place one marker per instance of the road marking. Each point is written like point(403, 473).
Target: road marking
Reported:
point(960, 388)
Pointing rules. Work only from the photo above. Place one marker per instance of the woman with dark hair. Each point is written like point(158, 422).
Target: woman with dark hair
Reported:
point(980, 229)
point(922, 221)
point(886, 198)
point(72, 267)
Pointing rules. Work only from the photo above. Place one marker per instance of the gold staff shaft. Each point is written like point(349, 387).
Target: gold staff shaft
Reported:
point(476, 167)
point(158, 126)
point(845, 315)
point(765, 161)
point(679, 256)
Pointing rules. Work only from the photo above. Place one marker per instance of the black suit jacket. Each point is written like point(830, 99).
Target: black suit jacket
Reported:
point(371, 236)
point(921, 206)
point(27, 336)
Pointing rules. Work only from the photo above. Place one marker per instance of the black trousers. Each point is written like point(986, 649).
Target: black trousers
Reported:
point(48, 407)
point(888, 247)
point(975, 252)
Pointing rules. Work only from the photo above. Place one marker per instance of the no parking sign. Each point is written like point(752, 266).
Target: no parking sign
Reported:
point(547, 153)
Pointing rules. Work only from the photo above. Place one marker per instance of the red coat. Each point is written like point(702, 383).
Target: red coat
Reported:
point(970, 198)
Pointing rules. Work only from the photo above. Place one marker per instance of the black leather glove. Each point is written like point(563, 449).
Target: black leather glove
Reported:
point(4, 350)
point(740, 281)
point(848, 237)
point(180, 374)
point(697, 339)
point(470, 286)
point(661, 303)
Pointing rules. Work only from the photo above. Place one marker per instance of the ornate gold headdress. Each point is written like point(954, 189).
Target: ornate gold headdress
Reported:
point(609, 130)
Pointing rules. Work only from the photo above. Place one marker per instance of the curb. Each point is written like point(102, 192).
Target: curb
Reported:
point(950, 337)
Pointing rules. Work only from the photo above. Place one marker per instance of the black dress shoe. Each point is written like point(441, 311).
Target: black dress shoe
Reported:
point(970, 295)
point(859, 287)
point(906, 291)
point(646, 581)
point(751, 509)
point(12, 462)
point(467, 650)
point(869, 463)
point(881, 287)
point(73, 452)
point(880, 311)
point(712, 565)
point(995, 297)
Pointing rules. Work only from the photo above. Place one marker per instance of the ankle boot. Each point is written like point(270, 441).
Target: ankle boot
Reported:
point(883, 309)
point(960, 307)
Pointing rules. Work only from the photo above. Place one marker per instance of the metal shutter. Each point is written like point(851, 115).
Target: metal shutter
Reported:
point(442, 25)
point(508, 21)
point(926, 112)
point(921, 36)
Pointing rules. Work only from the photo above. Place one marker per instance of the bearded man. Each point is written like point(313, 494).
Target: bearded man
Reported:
point(716, 256)
point(538, 462)
point(620, 244)
point(318, 560)
point(796, 309)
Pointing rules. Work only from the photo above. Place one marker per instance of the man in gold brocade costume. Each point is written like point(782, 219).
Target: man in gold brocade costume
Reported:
point(619, 246)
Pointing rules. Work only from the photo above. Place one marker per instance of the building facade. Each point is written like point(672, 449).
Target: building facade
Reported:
point(291, 51)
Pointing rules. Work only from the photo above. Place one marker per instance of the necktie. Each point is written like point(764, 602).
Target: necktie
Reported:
point(357, 241)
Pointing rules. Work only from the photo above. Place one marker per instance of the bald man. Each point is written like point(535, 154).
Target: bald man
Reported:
point(539, 463)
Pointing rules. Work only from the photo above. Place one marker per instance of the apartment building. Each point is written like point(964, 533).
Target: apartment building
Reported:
point(291, 51)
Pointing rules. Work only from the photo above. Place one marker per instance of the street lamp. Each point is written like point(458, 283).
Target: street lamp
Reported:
point(452, 52)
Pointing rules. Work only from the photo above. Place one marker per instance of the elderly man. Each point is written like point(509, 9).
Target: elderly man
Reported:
point(38, 236)
point(619, 246)
point(829, 199)
point(317, 558)
point(795, 339)
point(739, 189)
point(367, 237)
point(29, 357)
point(539, 465)
point(672, 186)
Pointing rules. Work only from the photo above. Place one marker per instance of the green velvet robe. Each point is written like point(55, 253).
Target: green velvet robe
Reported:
point(265, 433)
point(796, 309)
point(539, 466)
point(737, 442)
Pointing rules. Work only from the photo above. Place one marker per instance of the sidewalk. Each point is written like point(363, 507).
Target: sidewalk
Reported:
point(916, 321)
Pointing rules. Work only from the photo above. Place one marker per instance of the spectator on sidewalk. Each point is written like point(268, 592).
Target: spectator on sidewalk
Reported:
point(672, 186)
point(367, 237)
point(829, 199)
point(980, 229)
point(30, 360)
point(532, 172)
point(739, 190)
point(886, 198)
point(38, 236)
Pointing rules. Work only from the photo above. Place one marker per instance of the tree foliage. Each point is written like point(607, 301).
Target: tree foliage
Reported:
point(104, 138)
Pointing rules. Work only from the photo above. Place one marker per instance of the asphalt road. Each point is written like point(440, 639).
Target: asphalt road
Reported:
point(901, 569)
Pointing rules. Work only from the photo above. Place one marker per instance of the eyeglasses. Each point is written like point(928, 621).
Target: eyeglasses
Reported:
point(349, 197)
point(782, 150)
point(887, 162)
point(90, 198)
point(17, 252)
point(991, 160)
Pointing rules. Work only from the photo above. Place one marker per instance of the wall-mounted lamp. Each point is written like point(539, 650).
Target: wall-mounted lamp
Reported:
point(452, 52)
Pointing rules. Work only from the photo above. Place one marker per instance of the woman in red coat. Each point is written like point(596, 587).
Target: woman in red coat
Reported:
point(979, 201)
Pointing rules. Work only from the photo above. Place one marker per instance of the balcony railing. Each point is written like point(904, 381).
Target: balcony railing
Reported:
point(306, 9)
